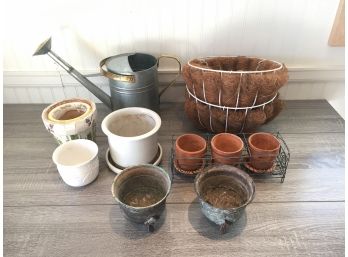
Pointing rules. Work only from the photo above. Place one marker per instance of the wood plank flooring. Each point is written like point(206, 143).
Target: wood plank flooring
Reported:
point(304, 216)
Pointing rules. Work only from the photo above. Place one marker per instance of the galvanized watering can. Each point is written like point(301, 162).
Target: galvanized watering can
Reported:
point(132, 78)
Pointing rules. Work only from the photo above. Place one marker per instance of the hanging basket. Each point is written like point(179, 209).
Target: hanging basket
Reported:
point(233, 94)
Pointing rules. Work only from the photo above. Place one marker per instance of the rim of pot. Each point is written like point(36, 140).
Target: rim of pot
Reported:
point(140, 110)
point(128, 54)
point(82, 116)
point(217, 150)
point(265, 134)
point(219, 168)
point(75, 141)
point(234, 56)
point(48, 109)
point(191, 152)
point(139, 166)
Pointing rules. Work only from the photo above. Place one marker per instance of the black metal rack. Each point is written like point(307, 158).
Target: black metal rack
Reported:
point(280, 166)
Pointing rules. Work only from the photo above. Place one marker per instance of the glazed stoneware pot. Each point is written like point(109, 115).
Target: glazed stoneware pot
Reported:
point(189, 151)
point(224, 191)
point(132, 135)
point(226, 148)
point(70, 119)
point(77, 162)
point(141, 192)
point(264, 149)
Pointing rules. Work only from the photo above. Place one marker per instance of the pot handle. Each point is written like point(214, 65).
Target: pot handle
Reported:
point(224, 227)
point(114, 76)
point(150, 223)
point(177, 75)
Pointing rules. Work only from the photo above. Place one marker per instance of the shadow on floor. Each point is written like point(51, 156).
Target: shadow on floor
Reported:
point(127, 229)
point(209, 229)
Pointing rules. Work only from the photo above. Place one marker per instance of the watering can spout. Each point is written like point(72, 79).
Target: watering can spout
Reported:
point(45, 48)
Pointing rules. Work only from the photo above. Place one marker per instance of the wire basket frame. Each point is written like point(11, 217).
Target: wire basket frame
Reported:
point(278, 170)
point(229, 94)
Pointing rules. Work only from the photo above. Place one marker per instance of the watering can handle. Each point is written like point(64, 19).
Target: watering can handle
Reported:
point(177, 75)
point(114, 76)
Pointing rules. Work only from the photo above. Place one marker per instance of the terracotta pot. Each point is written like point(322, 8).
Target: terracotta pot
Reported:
point(226, 148)
point(189, 151)
point(264, 149)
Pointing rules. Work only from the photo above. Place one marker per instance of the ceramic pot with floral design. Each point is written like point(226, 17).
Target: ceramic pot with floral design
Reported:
point(71, 119)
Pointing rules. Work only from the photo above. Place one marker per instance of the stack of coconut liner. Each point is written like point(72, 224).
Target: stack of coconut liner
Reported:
point(233, 94)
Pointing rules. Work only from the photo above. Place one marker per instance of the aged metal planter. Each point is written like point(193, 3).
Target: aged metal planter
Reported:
point(141, 192)
point(224, 192)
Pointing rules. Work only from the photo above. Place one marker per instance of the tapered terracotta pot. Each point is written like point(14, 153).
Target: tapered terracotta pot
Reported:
point(189, 151)
point(264, 149)
point(226, 148)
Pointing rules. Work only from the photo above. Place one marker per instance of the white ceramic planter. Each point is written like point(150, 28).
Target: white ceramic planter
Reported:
point(77, 162)
point(132, 135)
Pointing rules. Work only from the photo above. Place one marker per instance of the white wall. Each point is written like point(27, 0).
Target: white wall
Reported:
point(292, 31)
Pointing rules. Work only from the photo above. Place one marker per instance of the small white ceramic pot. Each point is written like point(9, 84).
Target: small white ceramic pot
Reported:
point(132, 135)
point(77, 162)
point(71, 119)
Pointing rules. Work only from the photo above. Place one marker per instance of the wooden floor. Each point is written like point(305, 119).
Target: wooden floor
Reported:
point(304, 216)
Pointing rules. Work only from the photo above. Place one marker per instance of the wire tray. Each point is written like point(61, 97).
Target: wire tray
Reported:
point(277, 171)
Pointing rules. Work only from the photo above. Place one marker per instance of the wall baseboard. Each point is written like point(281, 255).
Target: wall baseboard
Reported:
point(50, 86)
point(62, 78)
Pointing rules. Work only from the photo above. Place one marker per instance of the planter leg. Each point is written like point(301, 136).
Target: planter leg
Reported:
point(150, 223)
point(224, 227)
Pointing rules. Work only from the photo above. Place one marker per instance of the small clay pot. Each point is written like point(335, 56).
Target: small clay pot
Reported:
point(226, 148)
point(264, 149)
point(189, 151)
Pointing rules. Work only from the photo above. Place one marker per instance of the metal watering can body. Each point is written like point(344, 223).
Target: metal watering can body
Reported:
point(133, 78)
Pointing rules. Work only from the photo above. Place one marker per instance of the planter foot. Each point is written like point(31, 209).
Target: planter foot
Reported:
point(224, 227)
point(150, 223)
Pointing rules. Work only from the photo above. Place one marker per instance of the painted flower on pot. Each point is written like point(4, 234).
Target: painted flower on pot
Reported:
point(88, 121)
point(50, 128)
